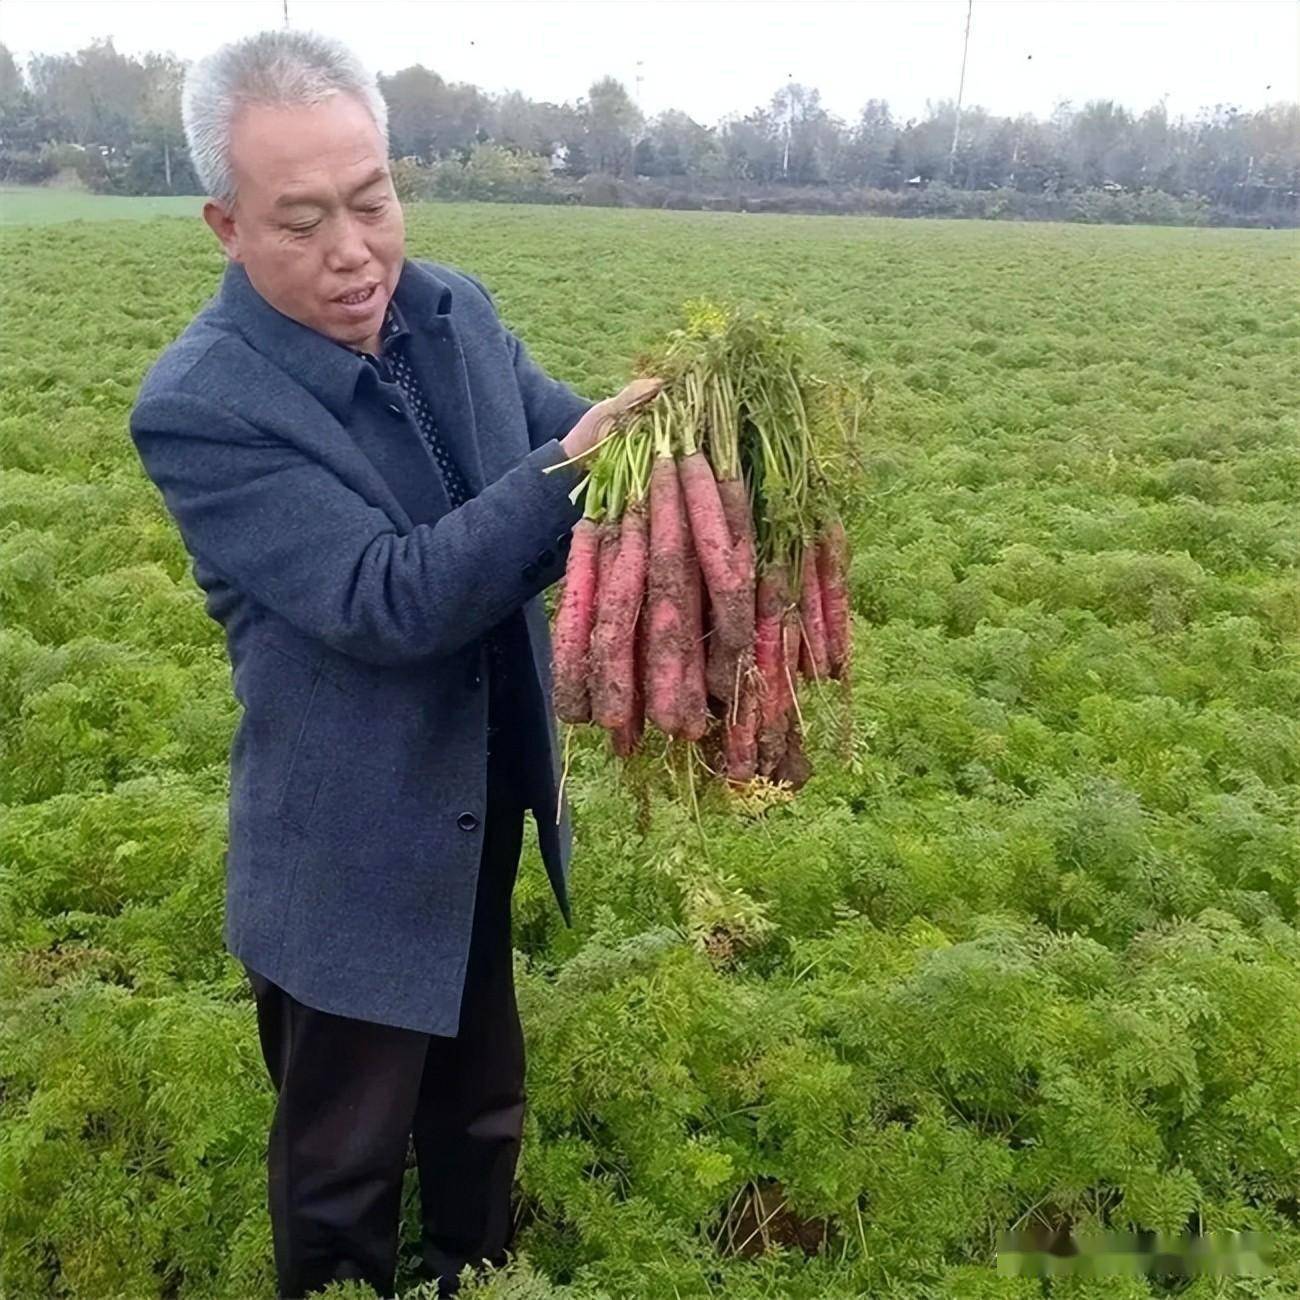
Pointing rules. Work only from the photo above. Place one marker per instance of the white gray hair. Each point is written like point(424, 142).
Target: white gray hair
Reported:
point(280, 67)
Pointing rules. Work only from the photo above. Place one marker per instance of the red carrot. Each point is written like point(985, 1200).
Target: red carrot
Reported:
point(769, 658)
point(734, 496)
point(769, 648)
point(727, 663)
point(832, 567)
point(626, 739)
point(720, 666)
point(667, 633)
point(773, 747)
point(613, 647)
point(573, 623)
point(790, 653)
point(724, 669)
point(814, 662)
point(723, 566)
point(695, 694)
point(742, 737)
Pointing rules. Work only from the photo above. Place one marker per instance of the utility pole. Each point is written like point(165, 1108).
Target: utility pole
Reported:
point(286, 13)
point(789, 118)
point(961, 90)
point(640, 63)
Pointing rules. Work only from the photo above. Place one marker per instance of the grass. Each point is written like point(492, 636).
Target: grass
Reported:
point(25, 205)
point(1025, 950)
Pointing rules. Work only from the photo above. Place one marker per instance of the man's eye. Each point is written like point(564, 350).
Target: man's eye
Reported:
point(304, 230)
point(374, 207)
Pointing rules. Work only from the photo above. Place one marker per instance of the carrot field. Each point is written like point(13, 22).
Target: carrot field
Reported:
point(1025, 952)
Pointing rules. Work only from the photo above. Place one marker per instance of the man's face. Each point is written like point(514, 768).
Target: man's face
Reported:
point(316, 223)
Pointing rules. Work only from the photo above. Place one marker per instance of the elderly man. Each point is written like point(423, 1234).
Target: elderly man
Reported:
point(356, 452)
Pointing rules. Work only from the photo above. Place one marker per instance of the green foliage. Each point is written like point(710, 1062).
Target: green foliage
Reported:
point(24, 205)
point(1025, 950)
point(489, 172)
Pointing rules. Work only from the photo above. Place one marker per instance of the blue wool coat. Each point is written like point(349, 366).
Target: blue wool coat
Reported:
point(355, 602)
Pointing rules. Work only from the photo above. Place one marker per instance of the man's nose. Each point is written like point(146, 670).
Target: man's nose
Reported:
point(349, 249)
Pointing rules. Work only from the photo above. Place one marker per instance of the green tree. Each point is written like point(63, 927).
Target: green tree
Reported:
point(682, 145)
point(97, 91)
point(1099, 135)
point(753, 147)
point(924, 145)
point(613, 123)
point(811, 138)
point(868, 147)
point(12, 87)
point(159, 125)
point(414, 97)
point(25, 129)
point(576, 163)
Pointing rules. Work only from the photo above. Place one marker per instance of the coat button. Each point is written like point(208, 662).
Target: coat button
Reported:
point(530, 572)
point(562, 540)
point(396, 410)
point(546, 558)
point(467, 821)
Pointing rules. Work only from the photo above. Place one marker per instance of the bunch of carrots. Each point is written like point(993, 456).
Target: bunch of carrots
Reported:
point(709, 570)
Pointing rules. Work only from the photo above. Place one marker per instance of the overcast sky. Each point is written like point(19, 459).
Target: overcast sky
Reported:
point(714, 58)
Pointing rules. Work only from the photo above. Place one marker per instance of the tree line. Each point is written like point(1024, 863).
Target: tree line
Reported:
point(114, 120)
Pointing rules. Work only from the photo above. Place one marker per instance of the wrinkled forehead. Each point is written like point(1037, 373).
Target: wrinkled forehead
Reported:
point(280, 149)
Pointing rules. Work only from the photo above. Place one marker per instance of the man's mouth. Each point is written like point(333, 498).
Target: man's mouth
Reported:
point(357, 296)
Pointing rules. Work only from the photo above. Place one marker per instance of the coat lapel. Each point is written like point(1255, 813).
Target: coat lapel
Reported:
point(327, 371)
point(438, 360)
point(439, 364)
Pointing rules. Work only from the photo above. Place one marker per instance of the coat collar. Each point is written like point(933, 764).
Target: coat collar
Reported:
point(328, 370)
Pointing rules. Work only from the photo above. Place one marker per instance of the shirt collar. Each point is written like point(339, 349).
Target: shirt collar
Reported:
point(393, 328)
point(391, 333)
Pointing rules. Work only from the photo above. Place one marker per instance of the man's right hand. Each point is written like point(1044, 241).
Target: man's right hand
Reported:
point(596, 424)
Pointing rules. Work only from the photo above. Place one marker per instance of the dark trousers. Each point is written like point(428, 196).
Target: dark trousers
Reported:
point(352, 1095)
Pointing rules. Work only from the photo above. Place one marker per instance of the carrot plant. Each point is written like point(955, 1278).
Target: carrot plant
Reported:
point(1025, 954)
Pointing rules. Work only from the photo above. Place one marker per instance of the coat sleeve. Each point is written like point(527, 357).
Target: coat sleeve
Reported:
point(552, 408)
point(280, 526)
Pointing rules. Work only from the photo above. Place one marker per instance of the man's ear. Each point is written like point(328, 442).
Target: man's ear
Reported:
point(222, 223)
